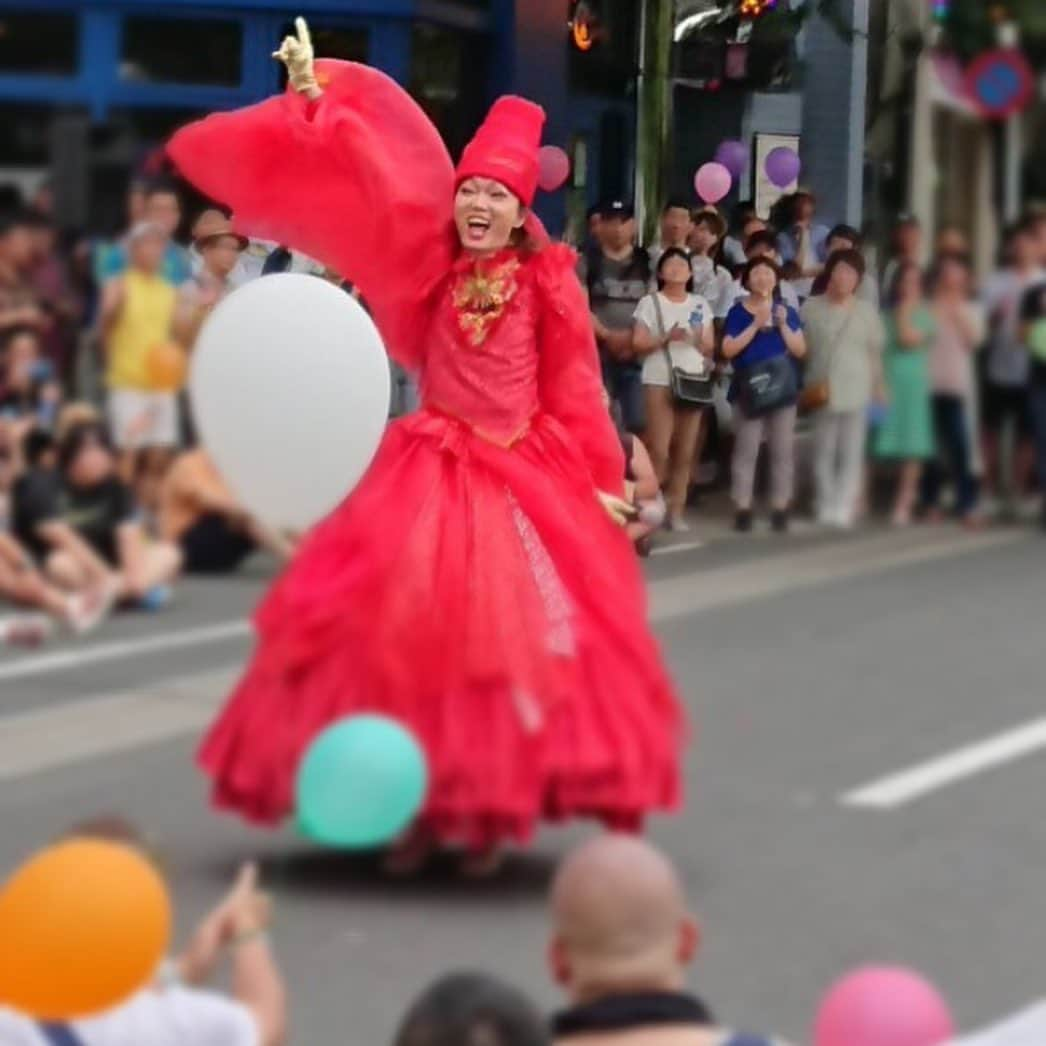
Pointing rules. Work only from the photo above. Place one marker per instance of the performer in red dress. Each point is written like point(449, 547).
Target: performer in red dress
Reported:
point(472, 586)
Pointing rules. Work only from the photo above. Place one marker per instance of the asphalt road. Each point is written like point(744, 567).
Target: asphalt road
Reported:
point(813, 668)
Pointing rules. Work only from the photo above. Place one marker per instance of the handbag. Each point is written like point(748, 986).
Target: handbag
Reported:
point(688, 390)
point(816, 395)
point(768, 385)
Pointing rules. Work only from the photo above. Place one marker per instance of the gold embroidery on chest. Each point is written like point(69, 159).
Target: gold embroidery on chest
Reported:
point(480, 298)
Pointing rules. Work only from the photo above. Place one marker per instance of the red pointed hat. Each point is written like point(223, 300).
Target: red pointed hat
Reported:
point(505, 147)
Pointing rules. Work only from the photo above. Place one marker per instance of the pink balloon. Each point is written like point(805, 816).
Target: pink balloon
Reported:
point(553, 167)
point(883, 1006)
point(712, 182)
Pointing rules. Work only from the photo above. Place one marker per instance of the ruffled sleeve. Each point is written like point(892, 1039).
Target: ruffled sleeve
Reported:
point(359, 180)
point(570, 383)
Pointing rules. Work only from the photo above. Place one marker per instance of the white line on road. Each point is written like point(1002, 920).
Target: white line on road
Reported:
point(671, 550)
point(92, 727)
point(907, 786)
point(77, 656)
point(791, 572)
point(1027, 1027)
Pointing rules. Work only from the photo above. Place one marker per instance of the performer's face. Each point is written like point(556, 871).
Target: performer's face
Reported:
point(486, 215)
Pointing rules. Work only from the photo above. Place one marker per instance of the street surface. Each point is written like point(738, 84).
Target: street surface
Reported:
point(866, 782)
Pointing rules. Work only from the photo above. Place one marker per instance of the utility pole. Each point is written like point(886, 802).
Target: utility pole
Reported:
point(657, 24)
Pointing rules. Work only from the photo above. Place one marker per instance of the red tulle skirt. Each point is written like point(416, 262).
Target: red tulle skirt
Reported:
point(480, 596)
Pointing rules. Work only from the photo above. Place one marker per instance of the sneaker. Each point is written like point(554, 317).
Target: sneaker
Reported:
point(158, 597)
point(25, 630)
point(779, 521)
point(743, 521)
point(677, 525)
point(86, 610)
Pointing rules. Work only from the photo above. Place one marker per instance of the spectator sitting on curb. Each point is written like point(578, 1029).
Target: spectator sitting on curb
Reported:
point(82, 523)
point(199, 514)
point(24, 584)
point(177, 1010)
point(622, 940)
point(472, 1009)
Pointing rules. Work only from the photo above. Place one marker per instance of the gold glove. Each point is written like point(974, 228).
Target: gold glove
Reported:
point(621, 512)
point(296, 54)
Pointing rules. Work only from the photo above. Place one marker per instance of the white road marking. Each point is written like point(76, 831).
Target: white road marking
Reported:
point(77, 655)
point(1027, 1027)
point(669, 550)
point(759, 578)
point(907, 786)
point(92, 727)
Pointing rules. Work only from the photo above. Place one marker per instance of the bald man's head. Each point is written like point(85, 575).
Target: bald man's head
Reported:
point(620, 921)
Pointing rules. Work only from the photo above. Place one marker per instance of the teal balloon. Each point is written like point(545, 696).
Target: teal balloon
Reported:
point(361, 783)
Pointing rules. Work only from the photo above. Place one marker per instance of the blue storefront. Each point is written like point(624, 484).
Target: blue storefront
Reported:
point(88, 89)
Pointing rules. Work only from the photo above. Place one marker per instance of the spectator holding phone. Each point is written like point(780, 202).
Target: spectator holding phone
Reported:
point(178, 1008)
point(673, 330)
point(761, 331)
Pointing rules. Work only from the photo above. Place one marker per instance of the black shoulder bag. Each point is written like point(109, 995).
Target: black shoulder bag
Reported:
point(688, 390)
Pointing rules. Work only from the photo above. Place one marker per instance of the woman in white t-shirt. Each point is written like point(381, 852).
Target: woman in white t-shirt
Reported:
point(672, 323)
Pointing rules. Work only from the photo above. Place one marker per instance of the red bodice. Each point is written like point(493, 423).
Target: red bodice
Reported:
point(481, 357)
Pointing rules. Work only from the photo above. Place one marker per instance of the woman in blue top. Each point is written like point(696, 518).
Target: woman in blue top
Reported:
point(758, 328)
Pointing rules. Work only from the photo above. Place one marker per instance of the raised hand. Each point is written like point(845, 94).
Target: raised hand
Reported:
point(297, 55)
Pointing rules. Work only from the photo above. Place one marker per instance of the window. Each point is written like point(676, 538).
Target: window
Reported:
point(181, 51)
point(39, 42)
point(448, 74)
point(24, 135)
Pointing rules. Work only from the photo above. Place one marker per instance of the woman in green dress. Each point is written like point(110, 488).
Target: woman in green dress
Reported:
point(906, 435)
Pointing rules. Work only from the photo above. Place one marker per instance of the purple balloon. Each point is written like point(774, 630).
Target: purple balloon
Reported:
point(782, 166)
point(733, 155)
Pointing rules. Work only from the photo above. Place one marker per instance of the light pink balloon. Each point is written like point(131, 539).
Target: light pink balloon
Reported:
point(553, 167)
point(712, 182)
point(883, 1006)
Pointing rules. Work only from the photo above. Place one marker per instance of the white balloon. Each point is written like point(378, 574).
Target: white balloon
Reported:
point(290, 392)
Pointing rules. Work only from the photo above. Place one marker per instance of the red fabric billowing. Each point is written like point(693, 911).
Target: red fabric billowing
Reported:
point(359, 180)
point(479, 595)
point(569, 380)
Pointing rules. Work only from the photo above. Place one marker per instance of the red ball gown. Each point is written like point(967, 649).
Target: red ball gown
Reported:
point(472, 586)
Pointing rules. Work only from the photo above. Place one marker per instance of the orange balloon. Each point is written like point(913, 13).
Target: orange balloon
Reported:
point(166, 366)
point(83, 926)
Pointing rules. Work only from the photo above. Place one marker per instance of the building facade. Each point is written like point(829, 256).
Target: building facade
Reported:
point(88, 89)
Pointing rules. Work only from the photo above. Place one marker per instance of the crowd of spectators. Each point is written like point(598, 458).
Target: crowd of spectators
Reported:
point(622, 944)
point(105, 497)
point(907, 375)
point(621, 941)
point(718, 339)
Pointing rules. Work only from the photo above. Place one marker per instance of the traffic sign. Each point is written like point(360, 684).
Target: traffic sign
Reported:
point(1000, 83)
